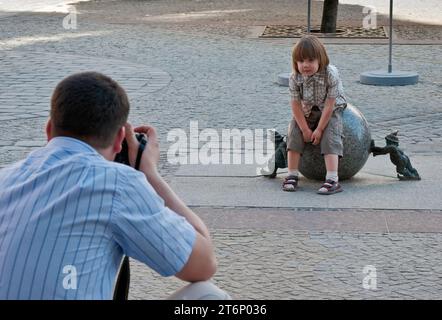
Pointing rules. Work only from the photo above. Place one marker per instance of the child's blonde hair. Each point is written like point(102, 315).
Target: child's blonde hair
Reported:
point(309, 47)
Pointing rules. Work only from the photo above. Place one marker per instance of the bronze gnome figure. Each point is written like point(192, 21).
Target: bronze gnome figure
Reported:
point(404, 169)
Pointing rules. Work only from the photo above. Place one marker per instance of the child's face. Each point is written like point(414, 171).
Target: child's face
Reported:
point(308, 67)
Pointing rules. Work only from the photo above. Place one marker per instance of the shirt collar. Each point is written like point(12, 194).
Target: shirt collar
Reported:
point(317, 76)
point(71, 144)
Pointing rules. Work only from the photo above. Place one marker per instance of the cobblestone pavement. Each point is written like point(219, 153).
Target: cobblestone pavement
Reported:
point(221, 81)
point(216, 74)
point(286, 264)
point(283, 255)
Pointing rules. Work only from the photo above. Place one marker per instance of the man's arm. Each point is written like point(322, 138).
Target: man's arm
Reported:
point(201, 264)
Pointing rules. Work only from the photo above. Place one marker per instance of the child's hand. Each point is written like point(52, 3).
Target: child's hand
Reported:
point(307, 135)
point(316, 136)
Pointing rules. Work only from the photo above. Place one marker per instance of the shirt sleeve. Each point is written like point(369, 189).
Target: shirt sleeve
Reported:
point(332, 83)
point(146, 229)
point(295, 90)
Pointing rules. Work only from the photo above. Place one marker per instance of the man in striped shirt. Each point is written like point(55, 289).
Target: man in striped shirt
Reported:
point(68, 213)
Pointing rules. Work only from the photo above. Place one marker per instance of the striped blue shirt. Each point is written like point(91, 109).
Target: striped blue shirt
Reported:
point(67, 216)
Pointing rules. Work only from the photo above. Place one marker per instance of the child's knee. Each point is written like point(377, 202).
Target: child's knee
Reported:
point(332, 143)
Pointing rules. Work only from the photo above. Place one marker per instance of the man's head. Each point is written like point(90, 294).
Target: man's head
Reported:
point(89, 106)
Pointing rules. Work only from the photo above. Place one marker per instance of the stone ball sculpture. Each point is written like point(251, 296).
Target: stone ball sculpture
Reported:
point(357, 140)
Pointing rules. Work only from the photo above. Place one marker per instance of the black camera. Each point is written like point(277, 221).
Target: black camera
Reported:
point(123, 155)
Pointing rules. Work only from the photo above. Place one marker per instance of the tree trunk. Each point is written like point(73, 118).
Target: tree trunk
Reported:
point(329, 16)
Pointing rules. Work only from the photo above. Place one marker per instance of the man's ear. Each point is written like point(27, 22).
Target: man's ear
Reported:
point(49, 129)
point(119, 140)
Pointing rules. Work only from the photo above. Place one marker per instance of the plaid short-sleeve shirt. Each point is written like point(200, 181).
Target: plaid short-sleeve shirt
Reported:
point(314, 90)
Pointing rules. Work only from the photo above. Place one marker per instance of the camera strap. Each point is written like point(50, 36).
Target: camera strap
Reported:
point(141, 148)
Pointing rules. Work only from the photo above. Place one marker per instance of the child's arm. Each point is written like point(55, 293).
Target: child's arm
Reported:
point(298, 114)
point(323, 122)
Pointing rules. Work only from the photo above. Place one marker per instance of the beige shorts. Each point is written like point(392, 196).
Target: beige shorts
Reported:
point(331, 141)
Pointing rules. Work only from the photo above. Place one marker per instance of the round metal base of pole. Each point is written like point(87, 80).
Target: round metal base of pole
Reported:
point(384, 78)
point(283, 79)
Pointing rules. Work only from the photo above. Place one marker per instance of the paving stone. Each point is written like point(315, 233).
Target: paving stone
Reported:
point(216, 74)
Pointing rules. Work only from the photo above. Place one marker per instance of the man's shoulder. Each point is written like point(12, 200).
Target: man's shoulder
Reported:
point(98, 166)
point(121, 169)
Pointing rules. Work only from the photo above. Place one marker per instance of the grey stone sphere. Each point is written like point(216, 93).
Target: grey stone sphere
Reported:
point(357, 139)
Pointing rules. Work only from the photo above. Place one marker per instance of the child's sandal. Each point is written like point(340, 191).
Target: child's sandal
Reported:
point(290, 183)
point(330, 187)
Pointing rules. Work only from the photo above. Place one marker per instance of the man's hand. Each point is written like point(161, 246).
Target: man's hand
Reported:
point(307, 135)
point(316, 136)
point(151, 154)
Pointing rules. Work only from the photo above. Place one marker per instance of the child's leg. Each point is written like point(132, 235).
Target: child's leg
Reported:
point(293, 158)
point(331, 184)
point(332, 148)
point(295, 146)
point(291, 181)
point(331, 164)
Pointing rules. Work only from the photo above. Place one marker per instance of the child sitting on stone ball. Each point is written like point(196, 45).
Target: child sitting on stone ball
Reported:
point(317, 101)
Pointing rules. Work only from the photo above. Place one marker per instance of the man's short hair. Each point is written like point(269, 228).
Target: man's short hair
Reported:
point(89, 106)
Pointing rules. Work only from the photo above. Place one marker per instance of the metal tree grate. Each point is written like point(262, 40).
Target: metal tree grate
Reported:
point(288, 31)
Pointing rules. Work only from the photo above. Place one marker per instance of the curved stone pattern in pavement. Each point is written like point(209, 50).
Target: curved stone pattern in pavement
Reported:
point(28, 79)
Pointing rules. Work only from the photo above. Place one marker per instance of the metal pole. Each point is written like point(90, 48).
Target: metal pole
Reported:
point(308, 15)
point(390, 78)
point(390, 67)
